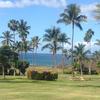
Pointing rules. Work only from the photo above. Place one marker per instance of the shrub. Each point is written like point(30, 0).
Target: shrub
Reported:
point(22, 66)
point(67, 70)
point(42, 75)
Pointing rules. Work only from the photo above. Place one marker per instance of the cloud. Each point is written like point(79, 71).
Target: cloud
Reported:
point(25, 3)
point(89, 46)
point(88, 8)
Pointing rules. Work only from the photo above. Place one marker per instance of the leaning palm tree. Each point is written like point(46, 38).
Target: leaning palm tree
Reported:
point(52, 38)
point(63, 39)
point(80, 55)
point(87, 38)
point(7, 38)
point(71, 15)
point(23, 30)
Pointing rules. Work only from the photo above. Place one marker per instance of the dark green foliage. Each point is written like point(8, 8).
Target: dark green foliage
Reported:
point(44, 75)
point(98, 64)
point(22, 65)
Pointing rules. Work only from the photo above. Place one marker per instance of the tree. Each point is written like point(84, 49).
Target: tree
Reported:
point(35, 42)
point(7, 38)
point(13, 25)
point(96, 56)
point(23, 30)
point(71, 15)
point(87, 38)
point(52, 38)
point(80, 54)
point(6, 55)
point(63, 39)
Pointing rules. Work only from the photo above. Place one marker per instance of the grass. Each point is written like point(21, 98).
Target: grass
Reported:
point(20, 88)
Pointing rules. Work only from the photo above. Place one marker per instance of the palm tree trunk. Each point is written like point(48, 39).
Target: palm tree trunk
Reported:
point(81, 68)
point(72, 41)
point(62, 57)
point(90, 60)
point(3, 71)
point(14, 51)
point(72, 47)
point(54, 59)
point(33, 58)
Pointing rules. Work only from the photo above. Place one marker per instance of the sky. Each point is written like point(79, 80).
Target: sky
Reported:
point(43, 14)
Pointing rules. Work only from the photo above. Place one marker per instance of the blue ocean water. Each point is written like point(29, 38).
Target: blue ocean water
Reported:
point(41, 59)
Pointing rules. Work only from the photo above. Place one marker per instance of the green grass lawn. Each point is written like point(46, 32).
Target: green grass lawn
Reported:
point(20, 88)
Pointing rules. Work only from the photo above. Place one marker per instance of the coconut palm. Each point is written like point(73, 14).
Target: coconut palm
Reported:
point(13, 25)
point(23, 31)
point(71, 15)
point(80, 55)
point(35, 42)
point(97, 12)
point(63, 39)
point(26, 47)
point(52, 38)
point(87, 38)
point(7, 38)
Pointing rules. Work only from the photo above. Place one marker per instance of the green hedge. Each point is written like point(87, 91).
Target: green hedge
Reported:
point(43, 75)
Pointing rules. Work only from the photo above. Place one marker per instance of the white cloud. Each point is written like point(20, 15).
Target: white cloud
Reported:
point(88, 8)
point(25, 3)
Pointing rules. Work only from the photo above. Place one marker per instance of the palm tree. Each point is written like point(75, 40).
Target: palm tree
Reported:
point(52, 38)
point(7, 38)
point(80, 55)
point(35, 41)
point(71, 15)
point(87, 38)
point(23, 30)
point(97, 12)
point(96, 56)
point(13, 25)
point(63, 39)
point(26, 47)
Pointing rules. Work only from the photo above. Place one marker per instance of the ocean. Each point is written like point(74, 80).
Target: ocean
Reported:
point(40, 59)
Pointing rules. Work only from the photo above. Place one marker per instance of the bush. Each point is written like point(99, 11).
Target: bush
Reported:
point(22, 66)
point(43, 75)
point(67, 70)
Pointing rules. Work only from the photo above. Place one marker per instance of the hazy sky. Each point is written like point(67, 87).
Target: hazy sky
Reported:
point(43, 14)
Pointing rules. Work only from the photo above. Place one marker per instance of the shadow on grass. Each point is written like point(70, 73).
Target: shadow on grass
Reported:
point(22, 80)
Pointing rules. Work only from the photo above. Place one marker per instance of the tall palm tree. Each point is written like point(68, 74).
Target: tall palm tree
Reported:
point(52, 38)
point(87, 38)
point(7, 38)
point(71, 15)
point(80, 55)
point(63, 39)
point(23, 30)
point(97, 12)
point(35, 42)
point(13, 25)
